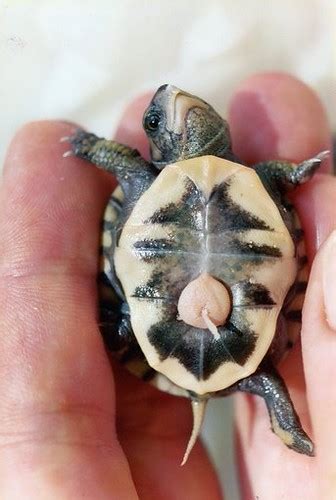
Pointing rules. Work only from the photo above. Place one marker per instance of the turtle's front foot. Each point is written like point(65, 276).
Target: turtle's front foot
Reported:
point(108, 155)
point(82, 144)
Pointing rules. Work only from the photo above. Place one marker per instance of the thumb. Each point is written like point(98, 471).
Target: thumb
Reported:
point(319, 354)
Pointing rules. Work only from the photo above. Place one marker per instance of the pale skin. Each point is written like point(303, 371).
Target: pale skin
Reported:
point(64, 431)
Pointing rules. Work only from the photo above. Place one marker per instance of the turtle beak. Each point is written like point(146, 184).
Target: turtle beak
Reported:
point(174, 105)
point(178, 105)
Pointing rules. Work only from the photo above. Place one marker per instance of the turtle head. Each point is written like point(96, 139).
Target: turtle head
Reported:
point(181, 126)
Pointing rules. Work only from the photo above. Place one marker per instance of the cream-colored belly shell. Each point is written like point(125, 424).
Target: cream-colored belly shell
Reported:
point(277, 274)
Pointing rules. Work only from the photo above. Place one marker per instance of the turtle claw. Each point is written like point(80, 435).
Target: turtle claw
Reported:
point(293, 436)
point(65, 138)
point(68, 153)
point(305, 170)
point(78, 142)
point(302, 443)
point(323, 155)
point(308, 448)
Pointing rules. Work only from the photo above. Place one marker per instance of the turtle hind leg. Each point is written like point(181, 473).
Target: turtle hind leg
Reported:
point(268, 384)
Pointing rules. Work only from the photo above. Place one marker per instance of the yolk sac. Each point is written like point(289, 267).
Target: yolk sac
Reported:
point(204, 303)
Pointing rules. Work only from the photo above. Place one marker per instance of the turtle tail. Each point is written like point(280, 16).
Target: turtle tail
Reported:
point(198, 408)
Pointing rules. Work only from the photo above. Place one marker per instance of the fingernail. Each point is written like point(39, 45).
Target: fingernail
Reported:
point(329, 278)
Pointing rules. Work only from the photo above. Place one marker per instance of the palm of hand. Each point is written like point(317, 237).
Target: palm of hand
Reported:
point(58, 403)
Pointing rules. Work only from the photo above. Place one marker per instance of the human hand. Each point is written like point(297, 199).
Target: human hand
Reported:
point(57, 409)
point(290, 123)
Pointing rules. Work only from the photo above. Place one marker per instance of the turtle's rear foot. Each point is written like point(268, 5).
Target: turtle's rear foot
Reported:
point(268, 384)
point(292, 434)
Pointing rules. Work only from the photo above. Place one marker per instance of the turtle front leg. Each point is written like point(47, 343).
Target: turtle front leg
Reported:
point(285, 175)
point(133, 173)
point(285, 422)
point(106, 154)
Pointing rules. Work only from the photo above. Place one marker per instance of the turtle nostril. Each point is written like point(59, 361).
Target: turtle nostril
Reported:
point(203, 302)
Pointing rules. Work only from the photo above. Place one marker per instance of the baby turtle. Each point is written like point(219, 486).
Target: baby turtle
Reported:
point(204, 267)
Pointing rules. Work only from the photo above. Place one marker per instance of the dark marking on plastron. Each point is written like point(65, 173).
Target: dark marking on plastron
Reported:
point(225, 214)
point(152, 289)
point(152, 244)
point(185, 213)
point(251, 248)
point(251, 294)
point(197, 350)
point(150, 249)
point(233, 328)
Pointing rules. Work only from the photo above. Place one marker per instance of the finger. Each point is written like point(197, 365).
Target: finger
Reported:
point(315, 203)
point(274, 115)
point(154, 427)
point(129, 130)
point(262, 111)
point(319, 350)
point(56, 393)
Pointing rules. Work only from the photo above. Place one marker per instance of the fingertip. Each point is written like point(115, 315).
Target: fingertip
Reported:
point(315, 203)
point(319, 353)
point(32, 139)
point(130, 131)
point(275, 115)
point(50, 205)
point(36, 155)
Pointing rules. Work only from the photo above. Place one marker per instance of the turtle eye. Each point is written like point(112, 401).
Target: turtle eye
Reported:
point(152, 122)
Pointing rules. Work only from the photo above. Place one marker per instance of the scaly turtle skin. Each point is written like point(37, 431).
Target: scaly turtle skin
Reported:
point(204, 268)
